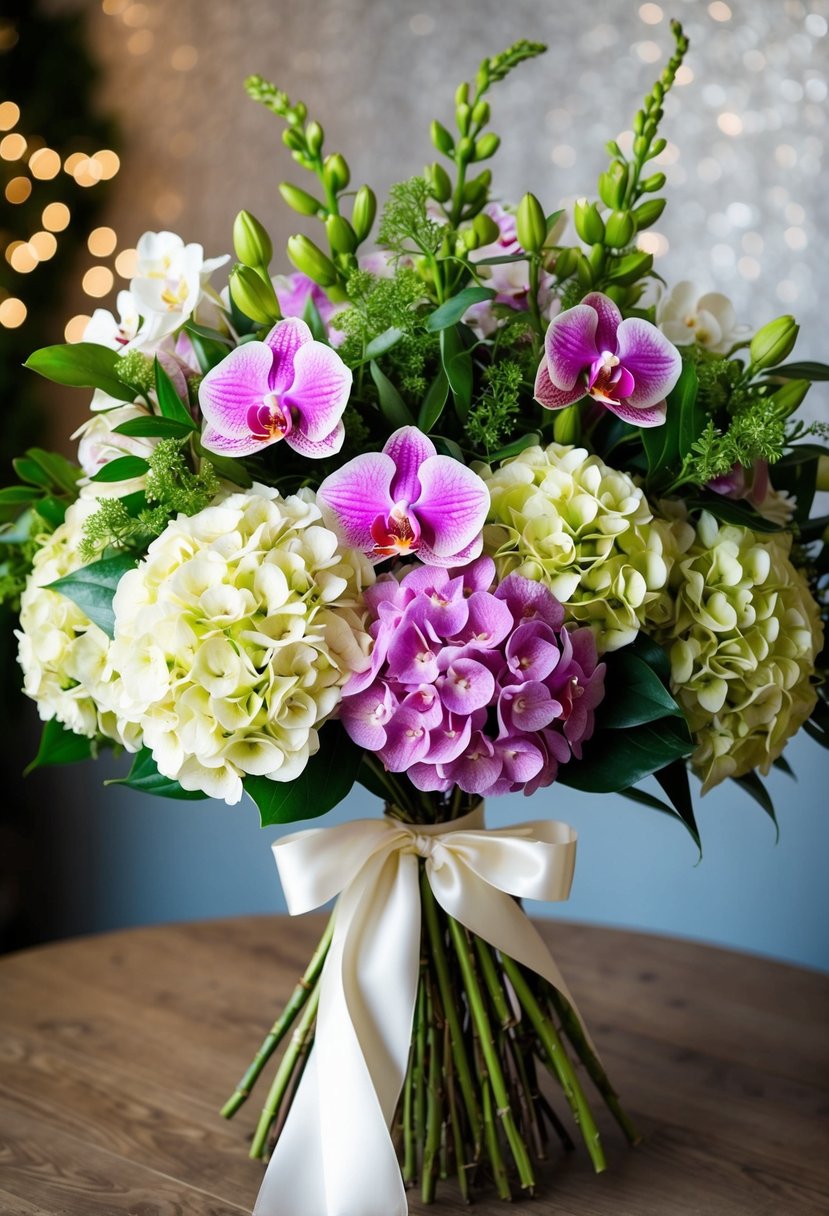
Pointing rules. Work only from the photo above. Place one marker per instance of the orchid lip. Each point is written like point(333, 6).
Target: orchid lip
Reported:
point(395, 533)
point(269, 420)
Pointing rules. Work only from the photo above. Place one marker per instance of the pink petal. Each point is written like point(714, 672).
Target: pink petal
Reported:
point(553, 398)
point(407, 741)
point(233, 445)
point(449, 739)
point(317, 449)
point(654, 416)
point(466, 686)
point(609, 319)
point(320, 388)
point(234, 386)
point(408, 448)
point(365, 715)
point(570, 345)
point(654, 362)
point(284, 341)
point(452, 506)
point(356, 494)
point(427, 778)
point(468, 554)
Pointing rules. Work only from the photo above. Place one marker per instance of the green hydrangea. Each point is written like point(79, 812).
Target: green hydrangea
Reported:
point(565, 518)
point(743, 640)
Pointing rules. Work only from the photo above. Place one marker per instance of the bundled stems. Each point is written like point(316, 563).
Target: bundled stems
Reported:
point(471, 1104)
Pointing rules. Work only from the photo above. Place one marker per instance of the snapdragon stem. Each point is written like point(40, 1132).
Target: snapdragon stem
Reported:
point(560, 1062)
point(494, 983)
point(419, 1071)
point(281, 1026)
point(294, 1054)
point(431, 1144)
point(496, 1158)
point(409, 1166)
point(461, 1165)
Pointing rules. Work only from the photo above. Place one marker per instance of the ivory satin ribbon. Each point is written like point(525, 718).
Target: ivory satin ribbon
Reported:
point(335, 1155)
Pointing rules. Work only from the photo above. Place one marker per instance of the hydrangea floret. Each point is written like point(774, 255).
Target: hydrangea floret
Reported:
point(472, 687)
point(564, 517)
point(627, 365)
point(234, 637)
point(743, 641)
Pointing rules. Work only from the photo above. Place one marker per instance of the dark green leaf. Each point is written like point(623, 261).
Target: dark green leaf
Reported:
point(134, 503)
point(62, 473)
point(53, 510)
point(673, 779)
point(28, 470)
point(226, 466)
point(798, 478)
point(169, 402)
point(656, 804)
point(448, 447)
point(433, 402)
point(313, 319)
point(503, 259)
point(209, 335)
point(59, 746)
point(124, 468)
point(92, 588)
point(517, 445)
point(392, 405)
point(163, 428)
point(801, 371)
point(144, 776)
point(692, 414)
point(783, 765)
point(382, 343)
point(451, 311)
point(730, 512)
point(635, 694)
point(325, 781)
point(81, 365)
point(553, 218)
point(17, 496)
point(209, 351)
point(754, 787)
point(666, 445)
point(613, 760)
point(457, 364)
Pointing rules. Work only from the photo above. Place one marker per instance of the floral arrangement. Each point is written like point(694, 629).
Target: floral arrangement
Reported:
point(484, 508)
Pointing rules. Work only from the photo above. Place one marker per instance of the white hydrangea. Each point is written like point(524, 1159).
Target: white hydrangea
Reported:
point(234, 636)
point(65, 657)
point(565, 518)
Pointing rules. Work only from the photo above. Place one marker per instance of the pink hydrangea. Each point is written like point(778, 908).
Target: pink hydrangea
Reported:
point(468, 686)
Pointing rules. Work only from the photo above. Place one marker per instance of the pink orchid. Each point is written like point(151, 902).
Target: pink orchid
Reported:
point(287, 387)
point(628, 366)
point(407, 499)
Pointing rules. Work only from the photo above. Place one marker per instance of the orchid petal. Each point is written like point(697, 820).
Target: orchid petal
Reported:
point(233, 445)
point(233, 387)
point(319, 390)
point(654, 362)
point(468, 554)
point(553, 398)
point(452, 507)
point(284, 341)
point(654, 416)
point(609, 319)
point(356, 494)
point(320, 448)
point(409, 448)
point(570, 345)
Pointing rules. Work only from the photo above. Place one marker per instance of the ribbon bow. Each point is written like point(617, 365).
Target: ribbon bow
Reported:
point(335, 1156)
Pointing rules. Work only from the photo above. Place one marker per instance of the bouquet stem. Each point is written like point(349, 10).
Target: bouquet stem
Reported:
point(471, 1104)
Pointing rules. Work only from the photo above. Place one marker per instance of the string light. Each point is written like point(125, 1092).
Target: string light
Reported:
point(72, 161)
point(12, 147)
point(12, 312)
point(98, 281)
point(108, 163)
point(102, 241)
point(9, 114)
point(55, 217)
point(23, 257)
point(127, 263)
point(76, 328)
point(44, 164)
point(18, 190)
point(44, 245)
point(87, 172)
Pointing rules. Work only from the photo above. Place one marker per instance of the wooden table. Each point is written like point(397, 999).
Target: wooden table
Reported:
point(117, 1051)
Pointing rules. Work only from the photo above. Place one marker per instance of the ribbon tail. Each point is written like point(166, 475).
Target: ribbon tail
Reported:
point(335, 1156)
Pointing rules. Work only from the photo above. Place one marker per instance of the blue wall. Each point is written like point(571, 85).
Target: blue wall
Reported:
point(136, 860)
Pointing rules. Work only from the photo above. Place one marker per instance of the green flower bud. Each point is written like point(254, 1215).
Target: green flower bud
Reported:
point(531, 224)
point(336, 171)
point(789, 396)
point(567, 425)
point(823, 479)
point(639, 122)
point(658, 145)
point(613, 184)
point(254, 296)
point(462, 94)
point(630, 268)
point(596, 258)
point(566, 262)
point(619, 295)
point(293, 140)
point(648, 213)
point(441, 138)
point(251, 242)
point(588, 223)
point(299, 200)
point(463, 116)
point(486, 228)
point(466, 149)
point(640, 146)
point(486, 146)
point(619, 229)
point(314, 135)
point(468, 239)
point(363, 212)
point(480, 115)
point(309, 259)
point(773, 343)
point(439, 183)
point(341, 235)
point(477, 190)
point(482, 77)
point(653, 183)
point(584, 272)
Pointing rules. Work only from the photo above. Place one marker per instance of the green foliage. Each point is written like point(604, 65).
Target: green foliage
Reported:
point(379, 305)
point(754, 432)
point(92, 588)
point(324, 782)
point(491, 418)
point(406, 226)
point(82, 365)
point(145, 777)
point(60, 746)
point(498, 67)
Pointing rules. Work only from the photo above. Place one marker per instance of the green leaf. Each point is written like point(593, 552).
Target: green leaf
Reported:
point(516, 446)
point(124, 468)
point(685, 419)
point(53, 510)
point(81, 365)
point(451, 311)
point(164, 428)
point(433, 402)
point(503, 259)
point(783, 765)
point(209, 335)
point(169, 402)
point(209, 351)
point(93, 586)
point(613, 760)
point(313, 319)
point(28, 470)
point(673, 779)
point(448, 447)
point(392, 405)
point(382, 343)
point(144, 776)
point(227, 467)
point(635, 694)
point(324, 782)
point(61, 472)
point(17, 496)
point(730, 512)
point(798, 477)
point(692, 414)
point(59, 746)
point(801, 371)
point(553, 218)
point(755, 789)
point(457, 364)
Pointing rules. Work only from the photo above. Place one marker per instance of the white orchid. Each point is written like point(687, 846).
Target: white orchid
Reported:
point(115, 332)
point(169, 283)
point(709, 319)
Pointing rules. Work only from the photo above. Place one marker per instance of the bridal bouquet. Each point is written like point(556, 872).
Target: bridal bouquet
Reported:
point(486, 507)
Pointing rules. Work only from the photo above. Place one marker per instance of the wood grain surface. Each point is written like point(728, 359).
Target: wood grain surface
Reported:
point(116, 1053)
